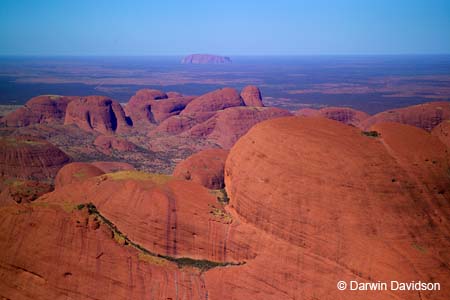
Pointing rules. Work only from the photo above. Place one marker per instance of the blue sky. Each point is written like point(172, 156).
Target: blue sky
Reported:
point(83, 27)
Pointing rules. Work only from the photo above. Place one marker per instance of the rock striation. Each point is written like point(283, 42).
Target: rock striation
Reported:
point(66, 252)
point(30, 158)
point(185, 218)
point(322, 187)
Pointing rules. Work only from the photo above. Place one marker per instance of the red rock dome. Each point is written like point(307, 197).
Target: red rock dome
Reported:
point(97, 113)
point(344, 115)
point(138, 107)
point(228, 125)
point(40, 109)
point(174, 94)
point(214, 101)
point(345, 201)
point(75, 173)
point(30, 158)
point(425, 116)
point(204, 167)
point(182, 216)
point(252, 96)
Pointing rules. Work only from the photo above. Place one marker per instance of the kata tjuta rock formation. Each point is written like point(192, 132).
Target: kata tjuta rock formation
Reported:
point(220, 117)
point(423, 156)
point(149, 106)
point(40, 109)
point(27, 167)
point(204, 167)
point(108, 244)
point(206, 59)
point(425, 116)
point(97, 113)
point(252, 96)
point(344, 115)
point(77, 257)
point(214, 101)
point(346, 206)
point(201, 109)
point(311, 202)
point(30, 158)
point(185, 218)
point(22, 190)
point(75, 173)
point(227, 126)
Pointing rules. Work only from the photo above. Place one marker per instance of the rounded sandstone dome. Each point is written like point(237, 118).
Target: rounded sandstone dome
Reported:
point(252, 96)
point(320, 184)
point(425, 115)
point(30, 158)
point(204, 167)
point(40, 109)
point(76, 172)
point(214, 101)
point(97, 113)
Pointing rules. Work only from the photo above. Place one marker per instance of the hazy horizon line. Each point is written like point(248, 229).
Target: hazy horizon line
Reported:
point(229, 55)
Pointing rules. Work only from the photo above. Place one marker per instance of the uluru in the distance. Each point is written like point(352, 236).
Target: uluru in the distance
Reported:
point(309, 168)
point(203, 59)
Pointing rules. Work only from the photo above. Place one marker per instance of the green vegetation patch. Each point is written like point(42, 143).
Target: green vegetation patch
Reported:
point(80, 206)
point(42, 204)
point(138, 175)
point(64, 205)
point(152, 259)
point(373, 134)
point(419, 248)
point(18, 142)
point(80, 174)
point(14, 182)
point(221, 195)
point(54, 97)
point(201, 264)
